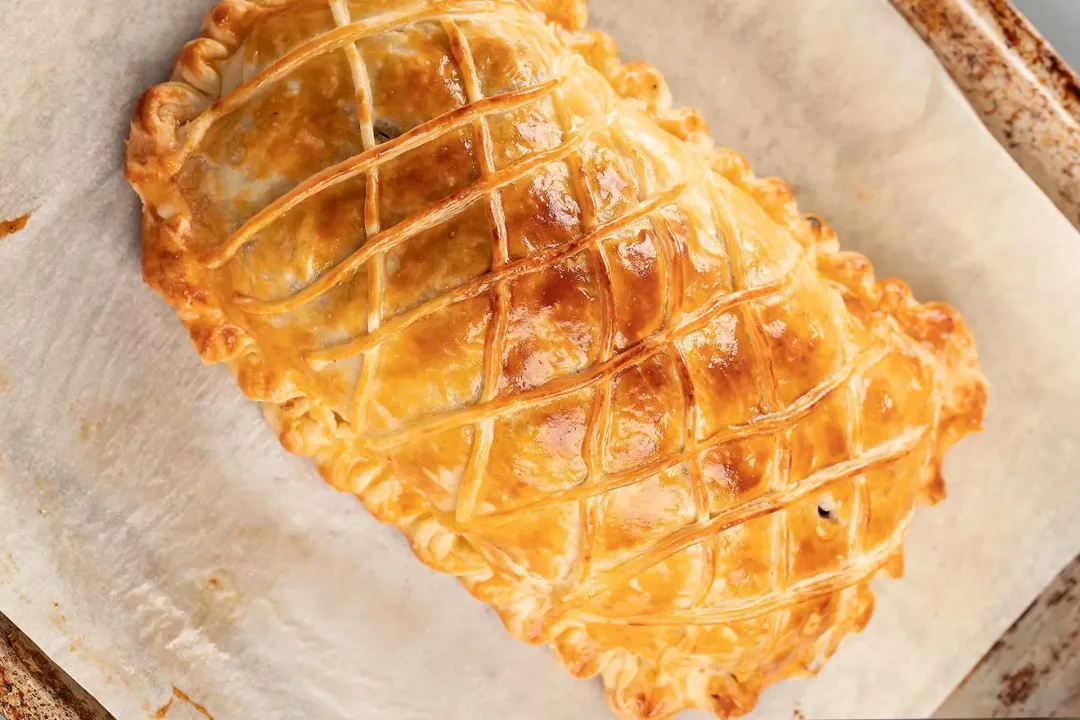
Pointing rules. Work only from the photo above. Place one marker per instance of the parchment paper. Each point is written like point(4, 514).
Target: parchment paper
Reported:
point(153, 534)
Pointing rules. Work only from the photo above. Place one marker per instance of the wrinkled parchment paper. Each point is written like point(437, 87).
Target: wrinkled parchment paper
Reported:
point(152, 533)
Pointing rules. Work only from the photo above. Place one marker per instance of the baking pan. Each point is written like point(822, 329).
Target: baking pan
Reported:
point(1022, 90)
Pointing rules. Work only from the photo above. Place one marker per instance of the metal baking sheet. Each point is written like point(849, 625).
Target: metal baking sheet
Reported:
point(156, 542)
point(1026, 95)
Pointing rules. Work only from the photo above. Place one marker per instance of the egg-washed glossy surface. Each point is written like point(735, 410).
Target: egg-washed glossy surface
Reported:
point(501, 291)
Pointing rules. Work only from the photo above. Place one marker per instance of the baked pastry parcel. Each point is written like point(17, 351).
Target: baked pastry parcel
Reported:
point(500, 290)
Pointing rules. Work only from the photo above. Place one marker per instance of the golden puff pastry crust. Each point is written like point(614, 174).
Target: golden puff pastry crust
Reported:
point(502, 291)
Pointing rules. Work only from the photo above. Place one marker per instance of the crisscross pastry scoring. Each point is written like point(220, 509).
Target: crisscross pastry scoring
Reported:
point(498, 288)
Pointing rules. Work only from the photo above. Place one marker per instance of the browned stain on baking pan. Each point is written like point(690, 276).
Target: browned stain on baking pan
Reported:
point(1017, 686)
point(1034, 669)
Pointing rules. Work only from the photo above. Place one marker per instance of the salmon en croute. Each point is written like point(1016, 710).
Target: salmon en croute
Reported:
point(501, 290)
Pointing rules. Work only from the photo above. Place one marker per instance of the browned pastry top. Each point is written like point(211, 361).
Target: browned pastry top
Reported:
point(500, 290)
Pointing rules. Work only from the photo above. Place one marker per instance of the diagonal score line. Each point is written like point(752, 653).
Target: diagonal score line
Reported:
point(764, 372)
point(698, 486)
point(533, 263)
point(764, 505)
point(483, 432)
point(372, 158)
point(848, 600)
point(762, 425)
point(671, 260)
point(600, 414)
point(667, 245)
point(596, 432)
point(365, 113)
point(569, 385)
point(427, 219)
point(317, 47)
point(798, 593)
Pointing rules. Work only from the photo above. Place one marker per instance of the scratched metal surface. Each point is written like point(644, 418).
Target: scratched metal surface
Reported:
point(1024, 91)
point(104, 189)
point(1034, 669)
point(32, 687)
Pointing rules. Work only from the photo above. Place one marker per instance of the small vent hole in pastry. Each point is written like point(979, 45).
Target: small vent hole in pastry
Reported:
point(826, 509)
point(385, 131)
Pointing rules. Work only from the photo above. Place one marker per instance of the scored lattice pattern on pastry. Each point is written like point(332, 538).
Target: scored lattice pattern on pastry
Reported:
point(505, 294)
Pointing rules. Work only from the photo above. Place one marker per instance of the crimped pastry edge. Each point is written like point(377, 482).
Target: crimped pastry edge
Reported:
point(637, 689)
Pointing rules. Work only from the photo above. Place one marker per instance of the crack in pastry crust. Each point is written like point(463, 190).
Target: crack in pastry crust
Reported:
point(620, 387)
